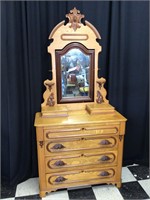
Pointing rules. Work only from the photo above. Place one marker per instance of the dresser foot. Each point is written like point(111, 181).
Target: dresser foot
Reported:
point(42, 194)
point(118, 184)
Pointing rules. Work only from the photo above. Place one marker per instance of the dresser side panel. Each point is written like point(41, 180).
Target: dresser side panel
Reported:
point(41, 157)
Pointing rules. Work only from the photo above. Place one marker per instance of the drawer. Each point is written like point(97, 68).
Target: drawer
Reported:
point(80, 144)
point(79, 160)
point(81, 131)
point(80, 176)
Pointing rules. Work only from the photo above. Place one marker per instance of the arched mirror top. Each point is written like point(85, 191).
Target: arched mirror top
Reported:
point(75, 79)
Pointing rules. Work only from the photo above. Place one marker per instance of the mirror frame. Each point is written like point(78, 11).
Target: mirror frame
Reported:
point(66, 36)
point(91, 54)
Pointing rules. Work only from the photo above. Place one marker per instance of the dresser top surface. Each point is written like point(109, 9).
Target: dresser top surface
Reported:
point(78, 117)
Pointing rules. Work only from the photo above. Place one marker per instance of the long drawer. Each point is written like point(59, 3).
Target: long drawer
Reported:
point(52, 133)
point(64, 179)
point(80, 160)
point(80, 144)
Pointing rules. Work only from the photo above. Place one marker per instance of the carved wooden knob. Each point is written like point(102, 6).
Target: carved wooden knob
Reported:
point(58, 146)
point(60, 179)
point(59, 163)
point(105, 142)
point(104, 173)
point(105, 158)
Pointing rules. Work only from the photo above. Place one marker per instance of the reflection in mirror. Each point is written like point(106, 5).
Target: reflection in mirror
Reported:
point(75, 73)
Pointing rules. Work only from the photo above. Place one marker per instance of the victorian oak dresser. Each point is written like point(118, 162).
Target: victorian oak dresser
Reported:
point(79, 134)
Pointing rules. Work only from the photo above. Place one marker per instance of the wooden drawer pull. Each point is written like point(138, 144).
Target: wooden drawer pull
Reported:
point(104, 173)
point(105, 142)
point(58, 146)
point(60, 179)
point(59, 163)
point(105, 158)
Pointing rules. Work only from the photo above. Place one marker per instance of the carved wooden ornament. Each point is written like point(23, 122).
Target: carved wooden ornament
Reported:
point(74, 18)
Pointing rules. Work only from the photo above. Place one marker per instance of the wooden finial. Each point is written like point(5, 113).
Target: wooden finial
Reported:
point(75, 18)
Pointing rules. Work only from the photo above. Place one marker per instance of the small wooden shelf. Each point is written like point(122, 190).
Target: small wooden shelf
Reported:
point(55, 111)
point(100, 108)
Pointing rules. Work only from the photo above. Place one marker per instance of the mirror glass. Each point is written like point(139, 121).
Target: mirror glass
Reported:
point(74, 76)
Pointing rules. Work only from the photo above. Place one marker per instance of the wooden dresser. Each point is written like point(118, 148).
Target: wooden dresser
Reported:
point(79, 150)
point(79, 137)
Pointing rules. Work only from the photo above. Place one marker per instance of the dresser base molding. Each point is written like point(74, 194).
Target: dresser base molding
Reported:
point(43, 193)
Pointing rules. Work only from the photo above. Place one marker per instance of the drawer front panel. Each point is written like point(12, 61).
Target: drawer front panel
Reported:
point(102, 130)
point(77, 132)
point(80, 176)
point(81, 160)
point(80, 144)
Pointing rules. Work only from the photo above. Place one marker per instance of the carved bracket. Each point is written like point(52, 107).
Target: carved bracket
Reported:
point(120, 137)
point(48, 94)
point(101, 91)
point(50, 100)
point(41, 143)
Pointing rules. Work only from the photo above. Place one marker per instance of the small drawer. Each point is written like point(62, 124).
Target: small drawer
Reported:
point(80, 144)
point(78, 176)
point(91, 131)
point(79, 160)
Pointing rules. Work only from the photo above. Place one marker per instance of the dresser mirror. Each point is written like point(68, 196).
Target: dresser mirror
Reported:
point(75, 74)
point(75, 83)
